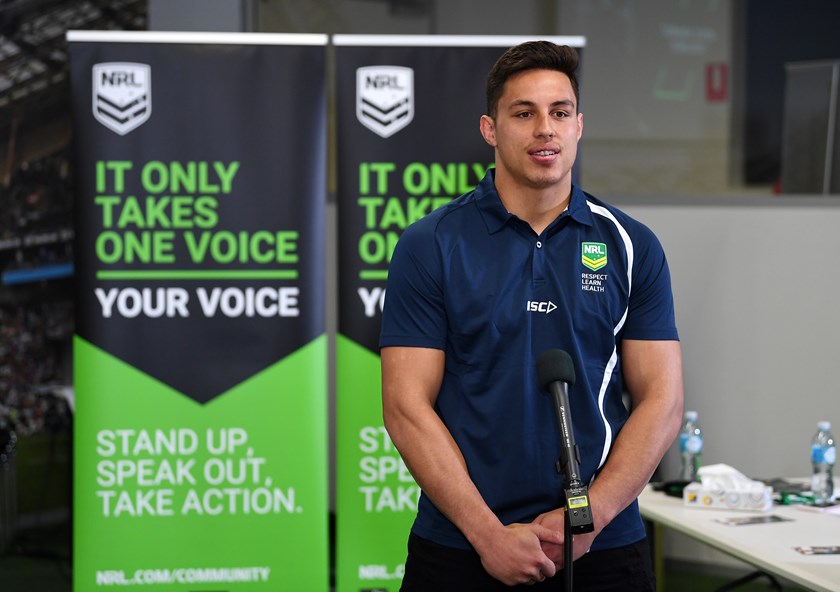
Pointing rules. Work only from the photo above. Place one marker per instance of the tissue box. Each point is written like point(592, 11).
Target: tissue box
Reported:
point(695, 495)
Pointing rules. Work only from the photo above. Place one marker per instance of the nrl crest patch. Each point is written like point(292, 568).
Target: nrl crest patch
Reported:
point(122, 95)
point(593, 255)
point(385, 98)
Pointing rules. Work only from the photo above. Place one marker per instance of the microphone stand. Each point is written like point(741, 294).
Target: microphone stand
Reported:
point(577, 512)
point(568, 542)
point(556, 372)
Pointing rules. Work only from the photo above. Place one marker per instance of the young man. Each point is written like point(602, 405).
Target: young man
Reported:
point(477, 290)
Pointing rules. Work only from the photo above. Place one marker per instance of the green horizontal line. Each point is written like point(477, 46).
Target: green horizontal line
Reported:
point(203, 274)
point(373, 274)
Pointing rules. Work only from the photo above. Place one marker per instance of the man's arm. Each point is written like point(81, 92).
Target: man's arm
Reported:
point(653, 376)
point(411, 379)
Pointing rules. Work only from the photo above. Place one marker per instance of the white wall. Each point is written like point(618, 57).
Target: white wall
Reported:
point(757, 289)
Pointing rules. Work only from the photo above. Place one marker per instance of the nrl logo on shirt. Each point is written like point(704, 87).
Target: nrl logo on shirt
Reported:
point(122, 95)
point(593, 255)
point(385, 98)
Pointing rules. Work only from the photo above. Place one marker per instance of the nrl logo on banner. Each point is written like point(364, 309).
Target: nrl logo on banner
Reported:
point(385, 98)
point(122, 95)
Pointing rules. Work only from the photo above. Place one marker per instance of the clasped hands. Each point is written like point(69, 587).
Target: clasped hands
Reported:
point(530, 553)
point(555, 520)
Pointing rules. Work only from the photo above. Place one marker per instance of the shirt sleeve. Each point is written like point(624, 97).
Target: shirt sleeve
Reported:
point(414, 313)
point(650, 315)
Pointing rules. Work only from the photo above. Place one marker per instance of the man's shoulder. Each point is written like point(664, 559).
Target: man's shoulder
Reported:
point(445, 218)
point(596, 203)
point(612, 213)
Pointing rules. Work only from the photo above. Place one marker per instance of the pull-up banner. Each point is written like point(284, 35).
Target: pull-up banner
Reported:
point(408, 142)
point(200, 354)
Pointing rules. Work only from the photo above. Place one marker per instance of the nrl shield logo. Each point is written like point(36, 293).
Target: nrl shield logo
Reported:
point(385, 98)
point(593, 255)
point(122, 95)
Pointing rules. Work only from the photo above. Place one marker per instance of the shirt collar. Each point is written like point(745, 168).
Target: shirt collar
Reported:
point(495, 215)
point(579, 208)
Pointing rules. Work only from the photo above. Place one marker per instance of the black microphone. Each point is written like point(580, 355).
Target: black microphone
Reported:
point(556, 373)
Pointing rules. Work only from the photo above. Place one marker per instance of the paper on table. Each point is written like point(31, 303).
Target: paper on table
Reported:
point(833, 510)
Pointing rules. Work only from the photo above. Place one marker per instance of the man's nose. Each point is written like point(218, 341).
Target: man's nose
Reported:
point(545, 126)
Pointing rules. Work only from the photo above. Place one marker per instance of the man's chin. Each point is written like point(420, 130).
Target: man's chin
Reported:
point(545, 182)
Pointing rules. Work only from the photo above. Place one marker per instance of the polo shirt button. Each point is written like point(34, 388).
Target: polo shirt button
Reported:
point(539, 245)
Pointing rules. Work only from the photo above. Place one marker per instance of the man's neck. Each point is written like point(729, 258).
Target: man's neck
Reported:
point(539, 207)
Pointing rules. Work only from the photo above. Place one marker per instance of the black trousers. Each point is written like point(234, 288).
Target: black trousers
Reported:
point(436, 568)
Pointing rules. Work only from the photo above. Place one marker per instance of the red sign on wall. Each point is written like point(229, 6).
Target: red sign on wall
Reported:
point(717, 82)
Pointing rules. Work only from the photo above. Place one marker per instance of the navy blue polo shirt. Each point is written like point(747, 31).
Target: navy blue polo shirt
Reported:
point(477, 282)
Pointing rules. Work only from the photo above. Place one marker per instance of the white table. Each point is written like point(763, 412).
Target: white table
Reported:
point(768, 547)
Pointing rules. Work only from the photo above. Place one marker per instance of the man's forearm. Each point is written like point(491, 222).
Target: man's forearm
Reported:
point(436, 463)
point(637, 451)
point(411, 379)
point(653, 376)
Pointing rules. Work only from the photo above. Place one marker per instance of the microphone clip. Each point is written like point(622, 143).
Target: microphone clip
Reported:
point(578, 512)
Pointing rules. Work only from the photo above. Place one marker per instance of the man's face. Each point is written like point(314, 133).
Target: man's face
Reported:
point(536, 129)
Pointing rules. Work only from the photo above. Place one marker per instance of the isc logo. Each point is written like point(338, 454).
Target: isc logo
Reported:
point(534, 306)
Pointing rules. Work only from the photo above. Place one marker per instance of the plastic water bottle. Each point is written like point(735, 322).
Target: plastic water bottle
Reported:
point(823, 453)
point(691, 447)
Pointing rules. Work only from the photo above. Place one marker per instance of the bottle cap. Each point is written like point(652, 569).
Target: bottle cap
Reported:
point(824, 425)
point(691, 415)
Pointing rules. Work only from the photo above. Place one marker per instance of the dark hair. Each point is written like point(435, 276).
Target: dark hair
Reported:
point(531, 55)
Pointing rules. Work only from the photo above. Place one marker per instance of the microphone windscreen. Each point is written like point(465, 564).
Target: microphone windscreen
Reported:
point(555, 364)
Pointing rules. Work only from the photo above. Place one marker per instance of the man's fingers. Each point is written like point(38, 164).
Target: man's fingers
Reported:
point(540, 575)
point(547, 535)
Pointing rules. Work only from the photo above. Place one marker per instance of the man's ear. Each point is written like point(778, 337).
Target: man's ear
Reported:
point(488, 129)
